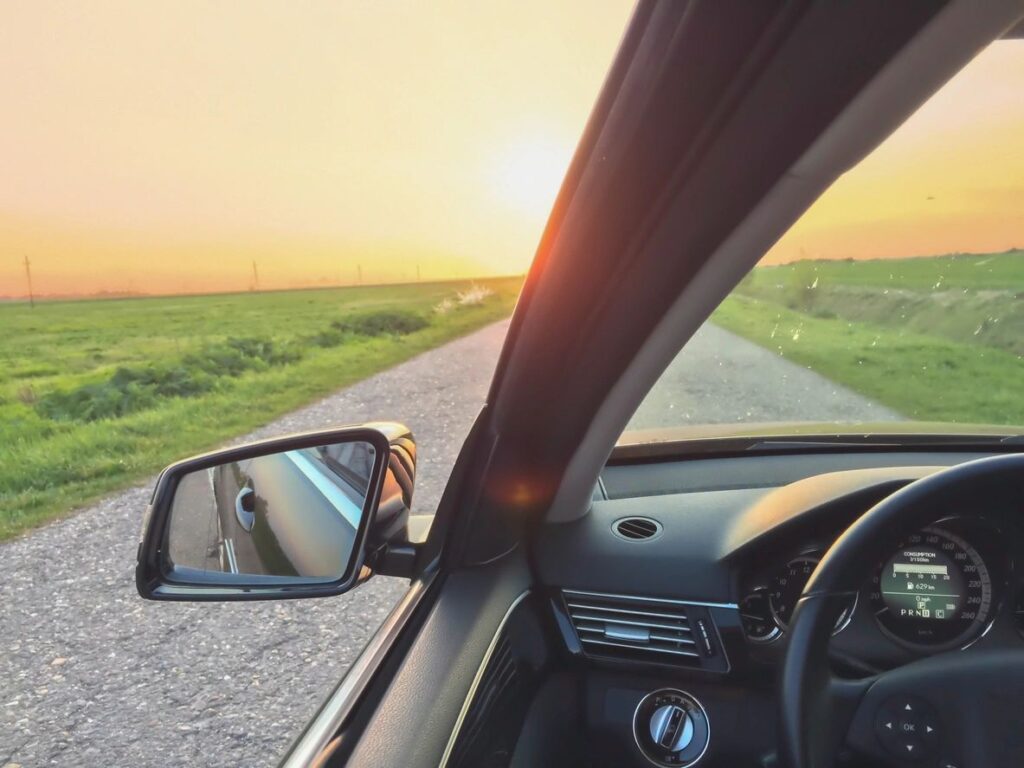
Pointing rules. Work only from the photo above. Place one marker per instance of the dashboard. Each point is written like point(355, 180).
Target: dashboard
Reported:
point(725, 536)
point(700, 564)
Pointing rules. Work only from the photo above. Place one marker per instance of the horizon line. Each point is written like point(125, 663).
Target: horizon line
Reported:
point(103, 295)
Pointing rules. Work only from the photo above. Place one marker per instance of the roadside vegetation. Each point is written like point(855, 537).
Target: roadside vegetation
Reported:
point(935, 338)
point(97, 395)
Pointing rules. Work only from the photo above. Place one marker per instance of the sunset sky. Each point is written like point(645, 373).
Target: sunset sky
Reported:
point(165, 151)
point(162, 148)
point(950, 179)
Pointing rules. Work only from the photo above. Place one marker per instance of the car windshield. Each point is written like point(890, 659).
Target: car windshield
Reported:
point(897, 297)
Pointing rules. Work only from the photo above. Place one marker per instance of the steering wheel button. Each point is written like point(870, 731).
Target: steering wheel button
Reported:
point(910, 748)
point(907, 727)
point(887, 726)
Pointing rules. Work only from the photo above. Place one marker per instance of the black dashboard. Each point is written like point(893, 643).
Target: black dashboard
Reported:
point(685, 575)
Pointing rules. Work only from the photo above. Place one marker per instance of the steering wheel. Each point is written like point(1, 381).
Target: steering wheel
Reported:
point(960, 710)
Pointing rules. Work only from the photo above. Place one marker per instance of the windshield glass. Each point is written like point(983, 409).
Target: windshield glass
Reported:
point(897, 297)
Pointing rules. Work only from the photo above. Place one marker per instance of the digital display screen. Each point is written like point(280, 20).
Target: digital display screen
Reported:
point(922, 582)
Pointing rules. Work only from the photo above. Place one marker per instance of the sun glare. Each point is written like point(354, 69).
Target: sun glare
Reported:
point(529, 172)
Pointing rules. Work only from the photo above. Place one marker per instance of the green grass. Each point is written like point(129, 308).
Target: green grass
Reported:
point(95, 396)
point(991, 271)
point(977, 299)
point(933, 338)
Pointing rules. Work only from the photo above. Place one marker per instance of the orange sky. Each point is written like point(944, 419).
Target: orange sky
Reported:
point(163, 152)
point(163, 149)
point(950, 179)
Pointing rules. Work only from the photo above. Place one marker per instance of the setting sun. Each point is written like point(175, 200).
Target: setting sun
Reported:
point(346, 142)
point(529, 172)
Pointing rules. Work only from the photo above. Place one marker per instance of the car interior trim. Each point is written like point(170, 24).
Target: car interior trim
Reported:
point(988, 628)
point(341, 703)
point(471, 694)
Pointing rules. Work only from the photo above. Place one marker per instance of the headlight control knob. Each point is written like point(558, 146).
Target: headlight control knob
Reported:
point(671, 728)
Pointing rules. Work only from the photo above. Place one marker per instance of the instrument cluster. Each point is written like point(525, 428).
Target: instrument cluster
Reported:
point(936, 590)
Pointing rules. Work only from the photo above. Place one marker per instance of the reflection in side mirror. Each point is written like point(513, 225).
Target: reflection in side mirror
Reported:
point(282, 518)
point(293, 514)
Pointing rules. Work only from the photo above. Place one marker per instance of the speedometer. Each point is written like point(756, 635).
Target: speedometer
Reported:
point(934, 590)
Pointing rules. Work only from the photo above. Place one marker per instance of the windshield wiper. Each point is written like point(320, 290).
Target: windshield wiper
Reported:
point(792, 444)
point(835, 441)
point(797, 442)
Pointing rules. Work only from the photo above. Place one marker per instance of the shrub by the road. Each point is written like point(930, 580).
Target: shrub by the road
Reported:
point(396, 322)
point(126, 391)
point(236, 356)
point(129, 390)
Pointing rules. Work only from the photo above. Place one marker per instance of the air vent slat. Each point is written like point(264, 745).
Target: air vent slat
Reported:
point(628, 622)
point(666, 605)
point(673, 639)
point(673, 651)
point(636, 531)
point(499, 685)
point(627, 611)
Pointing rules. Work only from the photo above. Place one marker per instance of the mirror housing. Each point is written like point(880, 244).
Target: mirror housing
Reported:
point(279, 518)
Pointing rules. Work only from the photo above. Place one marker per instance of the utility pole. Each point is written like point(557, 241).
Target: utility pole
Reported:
point(28, 274)
point(255, 277)
point(359, 274)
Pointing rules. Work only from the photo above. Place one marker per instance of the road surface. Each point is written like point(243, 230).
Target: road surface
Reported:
point(721, 378)
point(92, 675)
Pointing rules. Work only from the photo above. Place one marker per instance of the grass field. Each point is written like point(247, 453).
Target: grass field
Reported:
point(986, 271)
point(96, 395)
point(938, 338)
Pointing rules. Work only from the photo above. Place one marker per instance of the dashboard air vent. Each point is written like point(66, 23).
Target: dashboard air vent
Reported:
point(636, 528)
point(638, 629)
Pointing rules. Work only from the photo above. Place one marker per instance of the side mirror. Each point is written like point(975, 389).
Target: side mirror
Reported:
point(297, 516)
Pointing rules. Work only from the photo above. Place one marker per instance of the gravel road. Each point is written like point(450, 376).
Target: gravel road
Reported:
point(721, 378)
point(91, 675)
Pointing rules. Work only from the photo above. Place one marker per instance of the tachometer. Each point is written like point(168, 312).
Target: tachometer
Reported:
point(934, 590)
point(788, 585)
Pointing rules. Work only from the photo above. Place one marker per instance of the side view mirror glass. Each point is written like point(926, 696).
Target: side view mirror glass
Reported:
point(282, 518)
